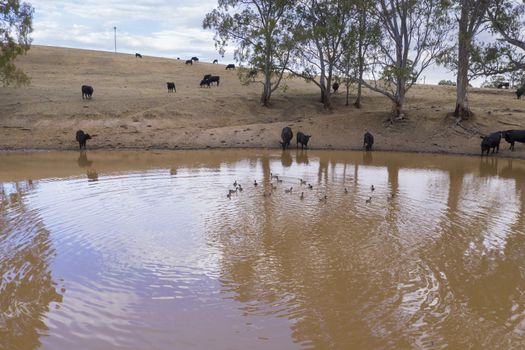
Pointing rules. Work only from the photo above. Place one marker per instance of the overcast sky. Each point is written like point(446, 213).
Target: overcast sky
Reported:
point(166, 28)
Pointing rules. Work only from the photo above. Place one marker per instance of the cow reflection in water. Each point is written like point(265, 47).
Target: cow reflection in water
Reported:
point(286, 159)
point(301, 157)
point(488, 167)
point(27, 289)
point(84, 162)
point(368, 158)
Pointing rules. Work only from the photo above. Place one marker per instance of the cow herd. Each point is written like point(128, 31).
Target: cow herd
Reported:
point(492, 141)
point(301, 138)
point(208, 80)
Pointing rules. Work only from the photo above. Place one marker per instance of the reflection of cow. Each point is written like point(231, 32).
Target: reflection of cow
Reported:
point(92, 175)
point(301, 157)
point(286, 159)
point(171, 87)
point(83, 161)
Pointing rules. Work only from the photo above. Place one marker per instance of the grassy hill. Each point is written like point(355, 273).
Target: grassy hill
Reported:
point(131, 108)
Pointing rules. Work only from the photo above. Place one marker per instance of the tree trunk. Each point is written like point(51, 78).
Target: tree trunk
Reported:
point(462, 110)
point(398, 102)
point(347, 93)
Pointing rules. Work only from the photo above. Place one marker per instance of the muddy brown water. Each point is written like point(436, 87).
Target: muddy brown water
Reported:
point(143, 250)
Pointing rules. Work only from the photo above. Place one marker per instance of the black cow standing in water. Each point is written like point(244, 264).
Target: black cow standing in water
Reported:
point(82, 138)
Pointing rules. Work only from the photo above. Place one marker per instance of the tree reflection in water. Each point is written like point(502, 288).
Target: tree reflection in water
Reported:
point(26, 285)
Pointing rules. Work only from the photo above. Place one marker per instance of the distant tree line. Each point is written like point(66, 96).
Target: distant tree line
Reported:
point(383, 45)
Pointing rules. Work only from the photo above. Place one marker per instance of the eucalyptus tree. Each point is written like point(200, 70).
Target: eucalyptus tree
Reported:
point(508, 53)
point(472, 16)
point(319, 36)
point(15, 26)
point(260, 29)
point(368, 34)
point(414, 35)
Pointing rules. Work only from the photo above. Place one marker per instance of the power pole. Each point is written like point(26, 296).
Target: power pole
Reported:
point(115, 29)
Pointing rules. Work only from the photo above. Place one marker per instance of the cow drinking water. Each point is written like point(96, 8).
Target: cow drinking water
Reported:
point(286, 137)
point(82, 138)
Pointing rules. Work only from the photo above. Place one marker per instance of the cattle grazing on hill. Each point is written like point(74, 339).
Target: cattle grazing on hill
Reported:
point(335, 86)
point(205, 82)
point(230, 66)
point(171, 87)
point(138, 55)
point(196, 59)
point(368, 141)
point(491, 141)
point(215, 61)
point(512, 136)
point(286, 137)
point(502, 85)
point(206, 76)
point(82, 138)
point(213, 79)
point(87, 91)
point(302, 139)
point(189, 62)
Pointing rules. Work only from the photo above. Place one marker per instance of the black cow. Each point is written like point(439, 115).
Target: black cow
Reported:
point(196, 59)
point(171, 87)
point(503, 85)
point(87, 91)
point(302, 139)
point(368, 141)
point(189, 62)
point(205, 82)
point(512, 136)
point(138, 55)
point(491, 141)
point(335, 86)
point(230, 66)
point(286, 137)
point(215, 61)
point(82, 138)
point(207, 76)
point(520, 92)
point(214, 79)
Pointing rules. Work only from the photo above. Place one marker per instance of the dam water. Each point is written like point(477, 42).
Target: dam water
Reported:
point(144, 250)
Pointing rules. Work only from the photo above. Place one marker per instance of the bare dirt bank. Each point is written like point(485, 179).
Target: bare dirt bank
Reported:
point(131, 108)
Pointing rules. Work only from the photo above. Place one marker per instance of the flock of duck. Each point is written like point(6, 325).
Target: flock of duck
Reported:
point(237, 187)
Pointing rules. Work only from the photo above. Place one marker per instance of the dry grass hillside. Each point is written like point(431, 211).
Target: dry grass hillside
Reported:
point(131, 108)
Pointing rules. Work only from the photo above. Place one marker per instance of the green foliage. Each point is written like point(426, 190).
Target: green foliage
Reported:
point(260, 30)
point(15, 27)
